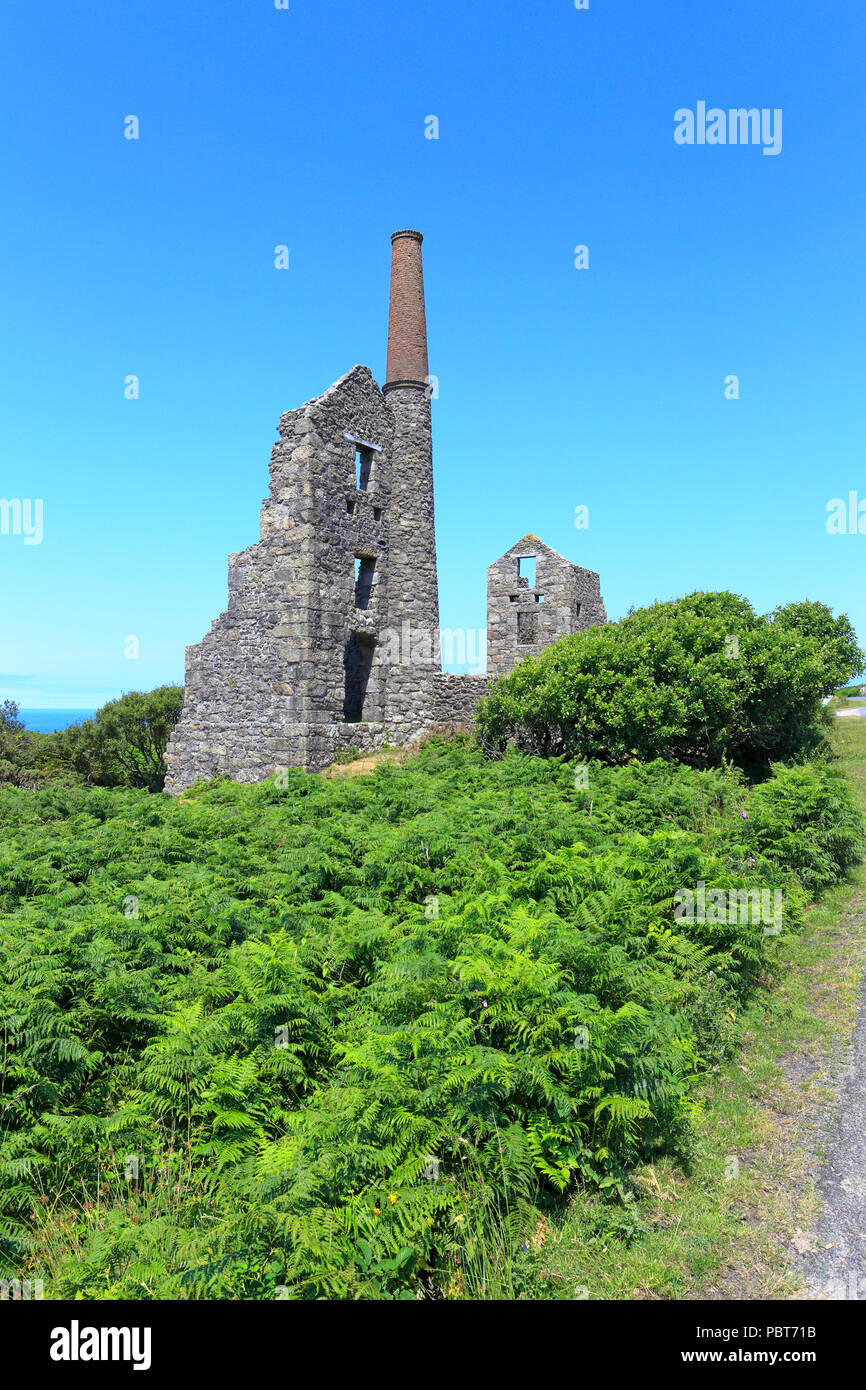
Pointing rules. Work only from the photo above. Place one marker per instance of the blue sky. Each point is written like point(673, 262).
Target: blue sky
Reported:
point(559, 387)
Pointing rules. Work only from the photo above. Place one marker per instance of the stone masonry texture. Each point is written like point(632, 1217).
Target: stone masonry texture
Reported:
point(523, 618)
point(330, 640)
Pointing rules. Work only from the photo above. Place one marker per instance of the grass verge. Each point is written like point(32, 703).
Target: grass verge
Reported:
point(726, 1228)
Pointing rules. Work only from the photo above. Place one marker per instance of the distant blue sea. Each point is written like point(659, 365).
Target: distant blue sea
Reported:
point(46, 721)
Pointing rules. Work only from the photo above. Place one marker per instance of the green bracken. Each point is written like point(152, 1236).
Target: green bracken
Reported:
point(354, 1038)
point(363, 1037)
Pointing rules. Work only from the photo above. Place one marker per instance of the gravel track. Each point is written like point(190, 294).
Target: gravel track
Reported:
point(835, 1266)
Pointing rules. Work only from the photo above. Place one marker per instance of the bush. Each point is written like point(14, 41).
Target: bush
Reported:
point(698, 680)
point(17, 748)
point(123, 746)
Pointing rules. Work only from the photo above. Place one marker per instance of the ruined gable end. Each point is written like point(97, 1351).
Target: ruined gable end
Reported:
point(534, 597)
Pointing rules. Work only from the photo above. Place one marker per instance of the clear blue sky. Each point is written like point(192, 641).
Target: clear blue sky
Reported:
point(558, 387)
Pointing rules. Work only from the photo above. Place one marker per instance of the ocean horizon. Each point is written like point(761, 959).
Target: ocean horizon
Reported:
point(48, 721)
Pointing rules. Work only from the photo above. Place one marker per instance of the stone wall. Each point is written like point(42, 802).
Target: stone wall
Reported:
point(455, 698)
point(523, 619)
point(286, 664)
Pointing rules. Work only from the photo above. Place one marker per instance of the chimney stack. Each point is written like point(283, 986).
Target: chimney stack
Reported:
point(407, 322)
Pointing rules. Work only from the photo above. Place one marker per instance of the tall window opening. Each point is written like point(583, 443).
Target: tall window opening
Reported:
point(363, 467)
point(358, 663)
point(364, 568)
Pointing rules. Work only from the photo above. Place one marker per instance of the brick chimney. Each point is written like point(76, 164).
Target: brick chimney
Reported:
point(412, 604)
point(407, 322)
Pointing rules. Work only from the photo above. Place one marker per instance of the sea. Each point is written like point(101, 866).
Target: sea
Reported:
point(48, 721)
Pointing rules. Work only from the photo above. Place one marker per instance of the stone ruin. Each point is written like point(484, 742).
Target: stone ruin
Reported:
point(331, 638)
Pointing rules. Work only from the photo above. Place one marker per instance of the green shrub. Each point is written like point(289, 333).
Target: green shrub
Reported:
point(697, 680)
point(123, 746)
point(18, 748)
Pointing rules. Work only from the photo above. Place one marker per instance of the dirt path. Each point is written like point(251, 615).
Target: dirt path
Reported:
point(831, 1258)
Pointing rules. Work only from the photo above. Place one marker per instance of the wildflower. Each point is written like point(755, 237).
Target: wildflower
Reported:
point(377, 1211)
point(392, 1198)
point(743, 814)
point(484, 1003)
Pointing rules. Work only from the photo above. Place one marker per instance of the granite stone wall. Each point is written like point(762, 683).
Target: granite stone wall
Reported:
point(306, 645)
point(455, 698)
point(523, 617)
